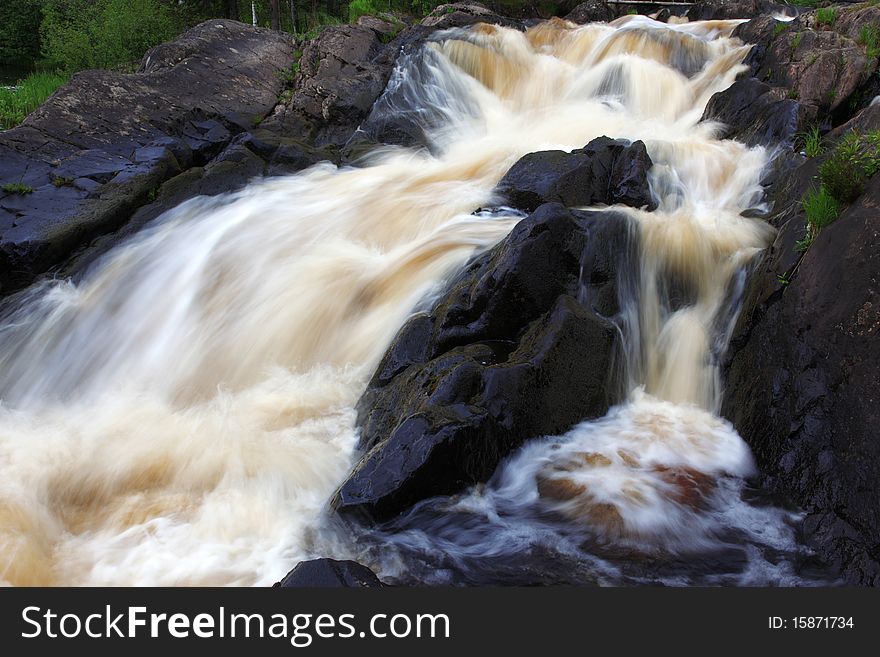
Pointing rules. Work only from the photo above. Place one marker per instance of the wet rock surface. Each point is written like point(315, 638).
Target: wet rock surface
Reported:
point(801, 380)
point(330, 573)
point(605, 171)
point(104, 143)
point(520, 346)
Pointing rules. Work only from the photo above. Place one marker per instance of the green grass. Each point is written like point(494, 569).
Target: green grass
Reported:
point(805, 3)
point(17, 188)
point(812, 142)
point(842, 178)
point(779, 28)
point(869, 36)
point(821, 209)
point(16, 104)
point(826, 16)
point(796, 41)
point(855, 159)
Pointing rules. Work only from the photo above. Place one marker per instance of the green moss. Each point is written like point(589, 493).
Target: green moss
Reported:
point(796, 41)
point(61, 181)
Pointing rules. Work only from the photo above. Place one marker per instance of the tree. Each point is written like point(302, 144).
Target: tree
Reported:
point(293, 16)
point(275, 9)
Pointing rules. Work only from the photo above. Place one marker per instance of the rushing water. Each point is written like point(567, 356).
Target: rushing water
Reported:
point(183, 414)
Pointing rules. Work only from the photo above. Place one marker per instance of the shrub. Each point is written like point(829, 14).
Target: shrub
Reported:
point(19, 31)
point(358, 8)
point(82, 34)
point(855, 159)
point(826, 16)
point(17, 103)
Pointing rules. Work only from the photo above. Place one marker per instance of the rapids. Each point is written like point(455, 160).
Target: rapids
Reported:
point(182, 414)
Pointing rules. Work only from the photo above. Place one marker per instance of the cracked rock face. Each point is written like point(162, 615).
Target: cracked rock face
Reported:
point(820, 68)
point(802, 384)
point(105, 141)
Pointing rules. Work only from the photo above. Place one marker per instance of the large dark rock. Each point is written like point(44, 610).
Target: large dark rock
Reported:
point(591, 11)
point(802, 382)
point(605, 171)
point(521, 345)
point(819, 68)
point(329, 573)
point(755, 113)
point(102, 145)
point(726, 9)
point(341, 73)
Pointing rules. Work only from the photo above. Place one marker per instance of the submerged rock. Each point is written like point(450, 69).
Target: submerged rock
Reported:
point(605, 171)
point(330, 573)
point(521, 345)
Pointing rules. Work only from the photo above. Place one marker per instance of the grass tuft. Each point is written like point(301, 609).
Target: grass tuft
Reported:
point(826, 16)
point(17, 188)
point(869, 37)
point(812, 142)
point(28, 95)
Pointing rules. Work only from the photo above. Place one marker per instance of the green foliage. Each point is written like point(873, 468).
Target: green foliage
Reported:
point(826, 16)
point(842, 178)
point(62, 181)
point(17, 103)
point(783, 279)
point(779, 28)
point(811, 141)
point(17, 188)
point(358, 8)
point(19, 31)
point(805, 3)
point(855, 159)
point(869, 36)
point(821, 209)
point(82, 34)
point(796, 41)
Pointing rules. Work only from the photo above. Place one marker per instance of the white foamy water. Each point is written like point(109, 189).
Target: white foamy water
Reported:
point(183, 414)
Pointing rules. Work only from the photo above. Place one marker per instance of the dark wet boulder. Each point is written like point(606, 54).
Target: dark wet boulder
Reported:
point(605, 171)
point(102, 145)
point(592, 11)
point(727, 9)
point(521, 345)
point(341, 73)
point(801, 381)
point(330, 573)
point(465, 14)
point(819, 68)
point(755, 113)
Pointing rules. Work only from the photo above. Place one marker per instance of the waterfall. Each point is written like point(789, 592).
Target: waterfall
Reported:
point(183, 413)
